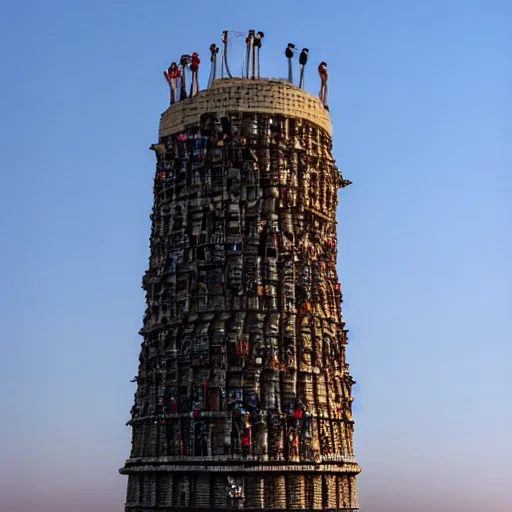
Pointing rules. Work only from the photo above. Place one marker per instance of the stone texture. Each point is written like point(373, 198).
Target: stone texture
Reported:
point(260, 96)
point(243, 391)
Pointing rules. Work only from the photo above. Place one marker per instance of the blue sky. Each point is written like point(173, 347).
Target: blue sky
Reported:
point(421, 105)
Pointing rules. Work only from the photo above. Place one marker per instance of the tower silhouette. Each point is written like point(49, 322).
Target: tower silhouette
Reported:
point(243, 393)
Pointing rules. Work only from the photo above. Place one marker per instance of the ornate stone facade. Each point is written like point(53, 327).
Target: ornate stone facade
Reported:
point(243, 393)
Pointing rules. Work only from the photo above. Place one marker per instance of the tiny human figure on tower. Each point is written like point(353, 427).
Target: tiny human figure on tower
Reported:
point(303, 59)
point(194, 68)
point(322, 71)
point(172, 74)
point(256, 58)
point(249, 42)
point(184, 63)
point(289, 55)
point(225, 42)
point(214, 50)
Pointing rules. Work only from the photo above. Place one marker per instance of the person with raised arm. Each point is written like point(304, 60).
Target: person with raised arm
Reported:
point(172, 74)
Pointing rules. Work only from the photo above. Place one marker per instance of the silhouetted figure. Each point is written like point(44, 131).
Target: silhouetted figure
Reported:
point(214, 50)
point(322, 71)
point(256, 54)
point(225, 42)
point(172, 74)
point(289, 55)
point(194, 68)
point(184, 63)
point(249, 40)
point(303, 60)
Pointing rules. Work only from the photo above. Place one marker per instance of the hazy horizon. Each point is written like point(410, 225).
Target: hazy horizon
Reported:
point(420, 97)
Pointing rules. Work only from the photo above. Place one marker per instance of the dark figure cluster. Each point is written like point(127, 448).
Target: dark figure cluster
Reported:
point(176, 76)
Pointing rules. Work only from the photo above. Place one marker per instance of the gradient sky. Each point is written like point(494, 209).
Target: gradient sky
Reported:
point(420, 95)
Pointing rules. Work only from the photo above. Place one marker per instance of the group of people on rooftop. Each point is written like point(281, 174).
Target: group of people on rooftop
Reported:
point(176, 74)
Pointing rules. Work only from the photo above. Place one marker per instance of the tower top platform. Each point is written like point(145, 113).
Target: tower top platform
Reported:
point(259, 96)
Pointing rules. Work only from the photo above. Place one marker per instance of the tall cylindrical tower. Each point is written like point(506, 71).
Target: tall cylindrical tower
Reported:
point(243, 393)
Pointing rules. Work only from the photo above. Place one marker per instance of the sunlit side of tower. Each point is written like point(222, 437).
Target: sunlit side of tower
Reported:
point(243, 393)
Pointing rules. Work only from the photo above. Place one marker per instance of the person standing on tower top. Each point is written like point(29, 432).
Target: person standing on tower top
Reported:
point(225, 42)
point(322, 71)
point(256, 58)
point(172, 75)
point(289, 55)
point(249, 40)
point(194, 68)
point(214, 50)
point(303, 59)
point(184, 63)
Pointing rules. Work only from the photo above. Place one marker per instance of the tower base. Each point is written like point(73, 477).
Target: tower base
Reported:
point(181, 509)
point(152, 489)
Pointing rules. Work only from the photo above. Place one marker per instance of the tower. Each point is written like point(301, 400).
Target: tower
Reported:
point(243, 392)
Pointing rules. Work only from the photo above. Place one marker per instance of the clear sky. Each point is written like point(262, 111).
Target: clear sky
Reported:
point(420, 95)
